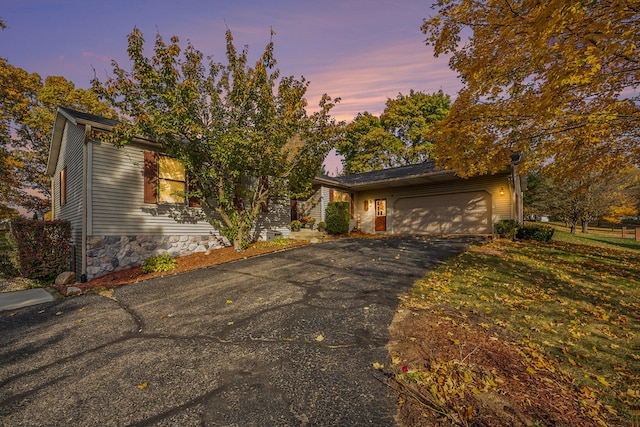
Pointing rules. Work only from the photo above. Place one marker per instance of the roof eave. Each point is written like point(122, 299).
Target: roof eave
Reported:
point(56, 141)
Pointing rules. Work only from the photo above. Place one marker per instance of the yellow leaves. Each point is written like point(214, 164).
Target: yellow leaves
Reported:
point(603, 381)
point(143, 385)
point(229, 302)
point(634, 394)
point(320, 338)
point(377, 366)
point(107, 293)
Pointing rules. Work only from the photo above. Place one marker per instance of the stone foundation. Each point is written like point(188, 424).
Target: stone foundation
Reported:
point(106, 254)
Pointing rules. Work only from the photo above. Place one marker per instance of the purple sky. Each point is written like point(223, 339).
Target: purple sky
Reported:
point(363, 51)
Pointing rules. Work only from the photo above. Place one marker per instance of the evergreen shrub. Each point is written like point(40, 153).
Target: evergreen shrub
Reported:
point(338, 214)
point(540, 233)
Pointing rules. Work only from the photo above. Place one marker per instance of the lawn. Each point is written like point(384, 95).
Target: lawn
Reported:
point(548, 331)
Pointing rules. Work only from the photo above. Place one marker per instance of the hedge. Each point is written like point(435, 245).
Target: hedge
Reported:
point(507, 228)
point(43, 247)
point(541, 233)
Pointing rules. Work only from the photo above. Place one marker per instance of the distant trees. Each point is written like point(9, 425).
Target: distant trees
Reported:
point(242, 132)
point(399, 137)
point(557, 80)
point(583, 200)
point(27, 112)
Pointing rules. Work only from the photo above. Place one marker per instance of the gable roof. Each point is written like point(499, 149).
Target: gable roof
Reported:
point(80, 118)
point(421, 173)
point(64, 115)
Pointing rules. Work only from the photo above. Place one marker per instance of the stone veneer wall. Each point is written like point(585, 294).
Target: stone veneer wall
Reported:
point(106, 254)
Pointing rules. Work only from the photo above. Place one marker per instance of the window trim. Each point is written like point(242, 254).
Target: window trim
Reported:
point(63, 186)
point(152, 182)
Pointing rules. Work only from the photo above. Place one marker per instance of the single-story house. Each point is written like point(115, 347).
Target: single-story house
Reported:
point(421, 199)
point(124, 204)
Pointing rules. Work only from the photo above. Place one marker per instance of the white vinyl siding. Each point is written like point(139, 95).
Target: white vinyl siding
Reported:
point(70, 156)
point(118, 207)
point(117, 203)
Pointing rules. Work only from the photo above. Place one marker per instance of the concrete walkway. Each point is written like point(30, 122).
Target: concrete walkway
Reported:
point(286, 339)
point(19, 299)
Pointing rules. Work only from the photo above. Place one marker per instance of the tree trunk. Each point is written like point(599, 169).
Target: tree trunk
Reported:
point(573, 228)
point(585, 226)
point(237, 241)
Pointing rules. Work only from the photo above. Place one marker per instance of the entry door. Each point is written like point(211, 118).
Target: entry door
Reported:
point(381, 214)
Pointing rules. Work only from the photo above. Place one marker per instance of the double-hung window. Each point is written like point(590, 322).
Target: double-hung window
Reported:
point(165, 180)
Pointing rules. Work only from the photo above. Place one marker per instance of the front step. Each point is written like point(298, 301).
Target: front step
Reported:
point(306, 234)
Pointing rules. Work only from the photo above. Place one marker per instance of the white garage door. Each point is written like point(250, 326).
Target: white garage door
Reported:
point(461, 213)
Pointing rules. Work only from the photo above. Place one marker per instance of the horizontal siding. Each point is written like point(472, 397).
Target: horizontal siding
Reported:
point(501, 205)
point(276, 220)
point(70, 156)
point(118, 206)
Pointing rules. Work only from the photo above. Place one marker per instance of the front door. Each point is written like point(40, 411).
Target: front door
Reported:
point(381, 214)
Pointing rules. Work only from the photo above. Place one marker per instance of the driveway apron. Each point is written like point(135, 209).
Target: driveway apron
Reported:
point(286, 339)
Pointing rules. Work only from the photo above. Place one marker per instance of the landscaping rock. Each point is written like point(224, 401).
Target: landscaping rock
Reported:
point(66, 278)
point(72, 290)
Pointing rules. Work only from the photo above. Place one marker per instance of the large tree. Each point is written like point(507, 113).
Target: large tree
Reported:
point(243, 132)
point(557, 80)
point(27, 112)
point(583, 200)
point(399, 137)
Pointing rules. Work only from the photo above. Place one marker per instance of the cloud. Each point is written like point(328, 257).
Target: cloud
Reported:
point(103, 58)
point(365, 81)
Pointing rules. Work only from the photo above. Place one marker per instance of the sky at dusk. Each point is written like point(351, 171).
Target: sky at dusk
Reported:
point(363, 51)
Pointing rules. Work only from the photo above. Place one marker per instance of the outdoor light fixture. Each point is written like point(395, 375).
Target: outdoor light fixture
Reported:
point(502, 191)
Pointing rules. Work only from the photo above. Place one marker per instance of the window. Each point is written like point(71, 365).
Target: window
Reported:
point(338, 196)
point(172, 179)
point(165, 180)
point(342, 196)
point(63, 186)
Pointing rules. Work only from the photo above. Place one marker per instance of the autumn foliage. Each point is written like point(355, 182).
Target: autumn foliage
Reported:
point(521, 334)
point(556, 80)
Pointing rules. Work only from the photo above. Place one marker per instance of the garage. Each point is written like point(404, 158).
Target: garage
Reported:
point(457, 213)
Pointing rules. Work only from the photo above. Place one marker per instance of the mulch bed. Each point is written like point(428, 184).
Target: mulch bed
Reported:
point(186, 263)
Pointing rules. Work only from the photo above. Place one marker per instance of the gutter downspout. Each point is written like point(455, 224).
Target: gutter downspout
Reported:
point(53, 197)
point(85, 195)
point(517, 192)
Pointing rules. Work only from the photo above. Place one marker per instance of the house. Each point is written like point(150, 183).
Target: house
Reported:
point(421, 199)
point(126, 204)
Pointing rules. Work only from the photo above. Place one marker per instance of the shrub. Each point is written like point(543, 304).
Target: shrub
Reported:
point(296, 225)
point(540, 233)
point(338, 217)
point(158, 263)
point(322, 225)
point(8, 267)
point(507, 228)
point(43, 248)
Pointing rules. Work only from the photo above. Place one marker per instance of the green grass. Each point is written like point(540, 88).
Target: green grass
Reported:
point(599, 239)
point(577, 302)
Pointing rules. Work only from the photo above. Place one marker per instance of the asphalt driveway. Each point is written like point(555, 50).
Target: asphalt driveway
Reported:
point(286, 339)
